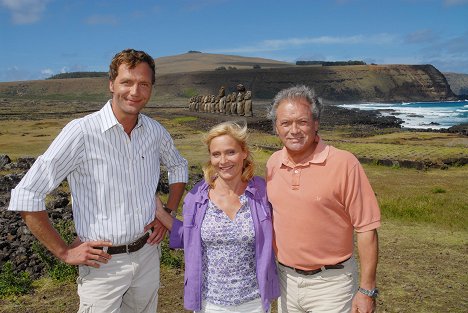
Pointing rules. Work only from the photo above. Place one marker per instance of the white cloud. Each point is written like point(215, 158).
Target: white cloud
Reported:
point(47, 72)
point(25, 11)
point(282, 44)
point(328, 40)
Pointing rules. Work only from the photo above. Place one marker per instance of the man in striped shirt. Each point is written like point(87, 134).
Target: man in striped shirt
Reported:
point(111, 160)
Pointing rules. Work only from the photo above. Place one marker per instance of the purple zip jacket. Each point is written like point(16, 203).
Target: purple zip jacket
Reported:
point(187, 235)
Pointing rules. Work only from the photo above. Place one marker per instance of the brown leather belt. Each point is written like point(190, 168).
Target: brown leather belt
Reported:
point(313, 272)
point(131, 247)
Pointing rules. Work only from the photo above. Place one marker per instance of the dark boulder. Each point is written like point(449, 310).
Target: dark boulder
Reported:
point(4, 160)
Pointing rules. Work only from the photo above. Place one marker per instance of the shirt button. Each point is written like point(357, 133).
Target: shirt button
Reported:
point(296, 171)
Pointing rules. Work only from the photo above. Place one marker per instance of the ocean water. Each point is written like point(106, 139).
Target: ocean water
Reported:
point(435, 115)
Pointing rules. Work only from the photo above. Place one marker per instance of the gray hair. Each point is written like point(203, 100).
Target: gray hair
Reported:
point(296, 92)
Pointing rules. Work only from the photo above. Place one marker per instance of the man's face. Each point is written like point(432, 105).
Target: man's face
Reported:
point(296, 128)
point(131, 90)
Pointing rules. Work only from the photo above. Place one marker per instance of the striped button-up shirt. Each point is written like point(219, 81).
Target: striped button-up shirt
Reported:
point(112, 177)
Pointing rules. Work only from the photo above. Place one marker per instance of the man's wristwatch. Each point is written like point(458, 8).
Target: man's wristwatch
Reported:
point(373, 293)
point(171, 212)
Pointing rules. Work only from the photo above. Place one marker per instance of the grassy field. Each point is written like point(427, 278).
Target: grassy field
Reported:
point(423, 238)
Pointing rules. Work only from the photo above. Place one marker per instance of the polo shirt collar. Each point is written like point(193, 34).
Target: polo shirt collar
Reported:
point(318, 157)
point(109, 120)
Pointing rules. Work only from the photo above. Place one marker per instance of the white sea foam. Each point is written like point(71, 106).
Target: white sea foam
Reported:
point(434, 115)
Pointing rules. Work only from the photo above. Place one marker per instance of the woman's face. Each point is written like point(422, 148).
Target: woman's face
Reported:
point(227, 157)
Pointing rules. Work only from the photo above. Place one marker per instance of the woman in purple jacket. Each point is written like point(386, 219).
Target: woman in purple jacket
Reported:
point(226, 231)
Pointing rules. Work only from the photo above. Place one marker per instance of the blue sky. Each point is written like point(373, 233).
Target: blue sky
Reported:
point(40, 38)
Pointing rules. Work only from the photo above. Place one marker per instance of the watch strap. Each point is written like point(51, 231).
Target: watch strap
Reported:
point(171, 212)
point(373, 293)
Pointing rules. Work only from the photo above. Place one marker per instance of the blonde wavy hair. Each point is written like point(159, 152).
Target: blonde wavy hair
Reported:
point(240, 135)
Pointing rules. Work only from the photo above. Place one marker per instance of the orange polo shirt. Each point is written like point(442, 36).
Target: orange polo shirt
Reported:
point(317, 206)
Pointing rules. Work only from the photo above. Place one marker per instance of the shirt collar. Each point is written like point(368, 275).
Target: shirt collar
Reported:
point(252, 187)
point(109, 120)
point(319, 155)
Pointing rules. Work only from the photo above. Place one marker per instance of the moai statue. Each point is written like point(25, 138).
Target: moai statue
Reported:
point(240, 99)
point(228, 105)
point(213, 104)
point(248, 103)
point(221, 100)
point(197, 103)
point(202, 104)
point(192, 103)
point(233, 103)
point(206, 104)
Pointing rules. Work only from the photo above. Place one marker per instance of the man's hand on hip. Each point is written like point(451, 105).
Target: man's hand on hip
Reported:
point(87, 253)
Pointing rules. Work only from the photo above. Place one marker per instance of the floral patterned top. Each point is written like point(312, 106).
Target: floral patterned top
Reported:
point(228, 256)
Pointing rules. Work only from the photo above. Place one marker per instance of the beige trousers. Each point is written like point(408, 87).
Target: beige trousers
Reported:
point(330, 291)
point(127, 283)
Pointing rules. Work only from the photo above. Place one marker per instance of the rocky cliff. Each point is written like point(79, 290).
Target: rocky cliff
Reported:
point(353, 83)
point(458, 83)
point(379, 83)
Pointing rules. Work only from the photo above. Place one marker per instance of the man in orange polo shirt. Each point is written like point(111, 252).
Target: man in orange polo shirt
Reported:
point(321, 197)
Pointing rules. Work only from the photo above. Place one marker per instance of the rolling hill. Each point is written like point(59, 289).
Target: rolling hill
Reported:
point(196, 61)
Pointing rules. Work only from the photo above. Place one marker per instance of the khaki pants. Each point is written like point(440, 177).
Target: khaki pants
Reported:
point(328, 291)
point(127, 283)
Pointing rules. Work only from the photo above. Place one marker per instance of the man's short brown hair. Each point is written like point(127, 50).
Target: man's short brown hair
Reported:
point(132, 58)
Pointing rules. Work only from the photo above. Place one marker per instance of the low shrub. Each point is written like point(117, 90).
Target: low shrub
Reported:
point(171, 258)
point(438, 190)
point(13, 284)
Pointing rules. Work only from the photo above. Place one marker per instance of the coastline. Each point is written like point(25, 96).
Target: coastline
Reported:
point(438, 116)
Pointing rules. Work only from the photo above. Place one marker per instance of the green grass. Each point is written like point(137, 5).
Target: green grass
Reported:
point(184, 119)
point(13, 284)
point(436, 197)
point(424, 232)
point(28, 138)
point(402, 152)
point(189, 92)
